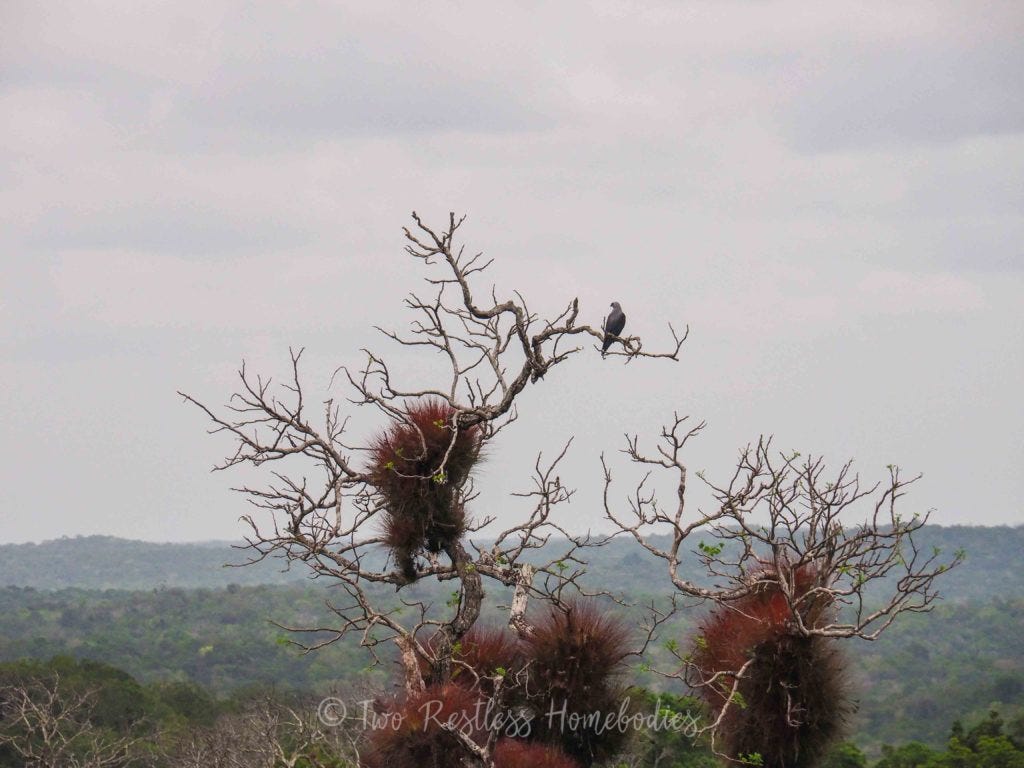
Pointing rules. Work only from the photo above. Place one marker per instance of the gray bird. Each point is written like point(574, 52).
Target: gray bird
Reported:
point(613, 325)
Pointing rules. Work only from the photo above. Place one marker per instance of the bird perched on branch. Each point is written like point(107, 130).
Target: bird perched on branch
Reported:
point(613, 325)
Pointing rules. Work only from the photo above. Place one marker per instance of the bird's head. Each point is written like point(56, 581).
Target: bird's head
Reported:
point(615, 305)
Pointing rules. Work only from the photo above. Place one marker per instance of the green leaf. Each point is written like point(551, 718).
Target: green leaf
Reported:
point(711, 550)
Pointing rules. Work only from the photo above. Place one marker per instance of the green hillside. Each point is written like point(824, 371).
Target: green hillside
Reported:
point(224, 640)
point(103, 562)
point(172, 612)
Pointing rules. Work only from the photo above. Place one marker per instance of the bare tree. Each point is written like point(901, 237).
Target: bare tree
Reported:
point(776, 518)
point(799, 555)
point(336, 522)
point(266, 734)
point(46, 724)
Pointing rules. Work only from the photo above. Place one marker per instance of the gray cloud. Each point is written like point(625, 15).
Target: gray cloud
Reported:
point(266, 76)
point(830, 196)
point(348, 93)
point(870, 98)
point(184, 230)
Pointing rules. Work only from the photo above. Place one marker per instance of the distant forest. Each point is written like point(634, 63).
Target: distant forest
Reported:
point(170, 613)
point(993, 565)
point(183, 725)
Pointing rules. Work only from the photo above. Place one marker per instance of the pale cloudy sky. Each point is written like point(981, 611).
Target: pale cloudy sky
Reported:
point(830, 194)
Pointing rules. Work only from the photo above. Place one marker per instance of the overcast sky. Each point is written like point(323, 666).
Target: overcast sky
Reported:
point(831, 195)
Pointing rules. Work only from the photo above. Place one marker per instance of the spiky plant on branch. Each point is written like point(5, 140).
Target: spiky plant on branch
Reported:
point(487, 657)
point(792, 700)
point(514, 753)
point(414, 499)
point(425, 729)
point(419, 465)
point(575, 663)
